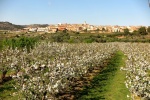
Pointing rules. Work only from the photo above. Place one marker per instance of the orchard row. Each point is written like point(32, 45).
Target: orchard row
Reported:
point(48, 68)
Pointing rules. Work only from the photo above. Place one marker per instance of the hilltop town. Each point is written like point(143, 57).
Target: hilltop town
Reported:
point(82, 28)
point(52, 28)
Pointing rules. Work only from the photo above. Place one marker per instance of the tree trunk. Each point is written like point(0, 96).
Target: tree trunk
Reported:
point(44, 96)
point(3, 76)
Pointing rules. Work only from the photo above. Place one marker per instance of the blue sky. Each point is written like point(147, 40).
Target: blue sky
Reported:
point(96, 12)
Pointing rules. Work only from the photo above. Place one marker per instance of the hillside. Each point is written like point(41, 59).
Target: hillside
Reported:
point(37, 25)
point(9, 26)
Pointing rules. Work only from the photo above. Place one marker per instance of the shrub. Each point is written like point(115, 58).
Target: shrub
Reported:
point(142, 31)
point(60, 37)
point(20, 42)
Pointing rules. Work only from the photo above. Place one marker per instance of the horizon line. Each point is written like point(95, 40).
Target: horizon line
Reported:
point(74, 23)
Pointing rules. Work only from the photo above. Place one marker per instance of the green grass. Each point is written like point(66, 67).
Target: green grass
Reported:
point(109, 84)
point(6, 91)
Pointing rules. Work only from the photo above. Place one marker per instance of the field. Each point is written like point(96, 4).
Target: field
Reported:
point(82, 71)
point(74, 66)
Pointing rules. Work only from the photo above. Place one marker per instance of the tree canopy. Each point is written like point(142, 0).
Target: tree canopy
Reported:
point(142, 31)
point(126, 31)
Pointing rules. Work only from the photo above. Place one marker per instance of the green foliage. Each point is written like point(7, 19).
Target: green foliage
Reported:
point(77, 33)
point(71, 40)
point(135, 32)
point(20, 42)
point(65, 31)
point(89, 40)
point(99, 38)
point(6, 91)
point(142, 31)
point(126, 31)
point(1, 45)
point(60, 37)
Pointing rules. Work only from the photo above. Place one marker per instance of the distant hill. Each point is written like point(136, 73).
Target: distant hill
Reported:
point(37, 25)
point(10, 26)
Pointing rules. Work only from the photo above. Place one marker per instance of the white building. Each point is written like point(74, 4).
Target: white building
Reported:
point(41, 29)
point(32, 29)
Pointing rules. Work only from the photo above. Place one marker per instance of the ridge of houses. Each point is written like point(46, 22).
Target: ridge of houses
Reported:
point(81, 28)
